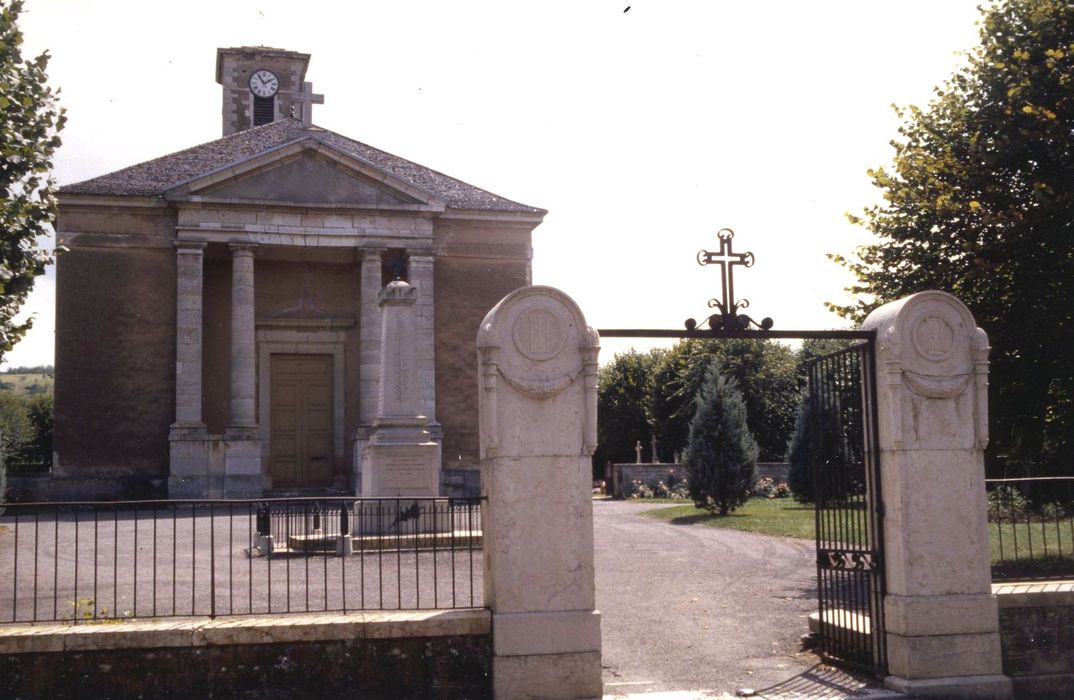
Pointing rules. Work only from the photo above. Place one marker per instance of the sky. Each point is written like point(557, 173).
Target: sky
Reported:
point(642, 126)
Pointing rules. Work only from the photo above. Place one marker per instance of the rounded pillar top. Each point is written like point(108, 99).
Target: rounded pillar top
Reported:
point(930, 333)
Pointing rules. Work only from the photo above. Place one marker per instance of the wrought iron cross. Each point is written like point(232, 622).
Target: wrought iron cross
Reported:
point(726, 259)
point(728, 318)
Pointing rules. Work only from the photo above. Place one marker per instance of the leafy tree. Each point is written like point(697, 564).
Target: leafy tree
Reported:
point(39, 413)
point(623, 388)
point(764, 371)
point(979, 201)
point(721, 455)
point(29, 132)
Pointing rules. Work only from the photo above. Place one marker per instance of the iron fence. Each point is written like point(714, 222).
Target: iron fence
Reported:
point(1031, 528)
point(152, 559)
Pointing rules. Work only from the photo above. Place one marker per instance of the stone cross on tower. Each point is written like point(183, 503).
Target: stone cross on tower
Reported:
point(304, 101)
point(726, 260)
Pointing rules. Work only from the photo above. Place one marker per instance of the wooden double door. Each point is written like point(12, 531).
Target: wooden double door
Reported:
point(301, 452)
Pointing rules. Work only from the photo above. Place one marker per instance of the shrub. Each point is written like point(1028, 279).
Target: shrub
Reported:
point(721, 454)
point(674, 488)
point(767, 487)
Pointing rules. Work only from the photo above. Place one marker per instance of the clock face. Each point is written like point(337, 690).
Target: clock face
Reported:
point(264, 83)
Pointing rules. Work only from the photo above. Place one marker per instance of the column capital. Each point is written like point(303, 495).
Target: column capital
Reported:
point(189, 246)
point(369, 254)
point(422, 257)
point(242, 249)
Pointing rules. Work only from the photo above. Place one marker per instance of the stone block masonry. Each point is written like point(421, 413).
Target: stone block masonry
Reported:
point(364, 655)
point(942, 626)
point(1036, 625)
point(537, 405)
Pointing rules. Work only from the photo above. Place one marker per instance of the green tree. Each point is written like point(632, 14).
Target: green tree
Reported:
point(764, 371)
point(800, 454)
point(32, 120)
point(623, 389)
point(721, 455)
point(979, 201)
point(37, 450)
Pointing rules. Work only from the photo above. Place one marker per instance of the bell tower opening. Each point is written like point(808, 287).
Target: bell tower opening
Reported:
point(262, 84)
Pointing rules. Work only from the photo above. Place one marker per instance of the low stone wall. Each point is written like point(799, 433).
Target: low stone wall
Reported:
point(624, 474)
point(1037, 635)
point(434, 654)
point(37, 488)
point(776, 471)
point(460, 483)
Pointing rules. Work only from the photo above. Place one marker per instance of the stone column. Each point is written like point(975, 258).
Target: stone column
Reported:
point(188, 334)
point(368, 357)
point(242, 457)
point(537, 405)
point(369, 337)
point(421, 277)
point(188, 447)
point(932, 390)
point(243, 405)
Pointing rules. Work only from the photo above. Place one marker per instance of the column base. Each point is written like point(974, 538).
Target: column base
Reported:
point(547, 654)
point(993, 687)
point(242, 468)
point(551, 676)
point(192, 462)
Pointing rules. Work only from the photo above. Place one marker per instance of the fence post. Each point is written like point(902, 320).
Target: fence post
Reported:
point(344, 545)
point(932, 405)
point(537, 408)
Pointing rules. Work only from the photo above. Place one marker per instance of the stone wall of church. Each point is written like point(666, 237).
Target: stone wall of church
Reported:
point(115, 352)
point(479, 265)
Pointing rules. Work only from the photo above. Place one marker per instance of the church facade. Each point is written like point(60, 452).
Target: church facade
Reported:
point(218, 326)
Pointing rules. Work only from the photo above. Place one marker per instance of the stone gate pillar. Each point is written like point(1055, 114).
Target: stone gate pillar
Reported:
point(932, 399)
point(538, 414)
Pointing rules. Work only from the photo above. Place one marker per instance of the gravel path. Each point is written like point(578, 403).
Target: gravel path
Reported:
point(693, 607)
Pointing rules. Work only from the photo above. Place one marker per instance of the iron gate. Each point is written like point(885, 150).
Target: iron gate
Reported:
point(849, 513)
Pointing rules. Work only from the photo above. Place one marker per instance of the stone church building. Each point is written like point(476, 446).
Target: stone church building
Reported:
point(218, 332)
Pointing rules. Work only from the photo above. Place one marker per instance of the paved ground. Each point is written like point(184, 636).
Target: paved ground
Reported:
point(692, 608)
point(687, 610)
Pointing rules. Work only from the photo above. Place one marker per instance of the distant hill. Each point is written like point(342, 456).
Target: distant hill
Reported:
point(27, 381)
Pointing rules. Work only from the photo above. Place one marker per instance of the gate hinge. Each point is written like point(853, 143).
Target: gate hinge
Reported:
point(880, 509)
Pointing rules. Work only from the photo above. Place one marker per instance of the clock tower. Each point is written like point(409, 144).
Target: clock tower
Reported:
point(263, 84)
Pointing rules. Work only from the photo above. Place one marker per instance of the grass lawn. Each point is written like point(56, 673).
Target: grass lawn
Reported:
point(783, 517)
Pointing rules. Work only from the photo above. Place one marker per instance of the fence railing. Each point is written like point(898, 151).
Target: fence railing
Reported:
point(150, 559)
point(1031, 528)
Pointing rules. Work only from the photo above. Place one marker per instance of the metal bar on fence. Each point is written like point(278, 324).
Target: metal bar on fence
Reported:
point(1028, 522)
point(426, 538)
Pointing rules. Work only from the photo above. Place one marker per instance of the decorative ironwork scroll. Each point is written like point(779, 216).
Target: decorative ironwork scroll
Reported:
point(847, 560)
point(727, 318)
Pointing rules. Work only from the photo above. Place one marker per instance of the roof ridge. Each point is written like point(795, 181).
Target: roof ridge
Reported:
point(156, 176)
point(275, 125)
point(419, 165)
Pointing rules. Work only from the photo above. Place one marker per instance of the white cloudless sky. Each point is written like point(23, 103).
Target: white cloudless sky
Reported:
point(642, 132)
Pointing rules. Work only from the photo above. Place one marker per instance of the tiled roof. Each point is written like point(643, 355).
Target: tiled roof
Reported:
point(157, 176)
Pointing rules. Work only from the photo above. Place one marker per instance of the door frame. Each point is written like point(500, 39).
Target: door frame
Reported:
point(282, 338)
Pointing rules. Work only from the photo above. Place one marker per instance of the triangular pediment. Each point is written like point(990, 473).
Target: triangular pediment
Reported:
point(308, 172)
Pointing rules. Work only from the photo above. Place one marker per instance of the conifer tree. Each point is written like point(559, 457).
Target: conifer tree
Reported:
point(799, 455)
point(721, 454)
